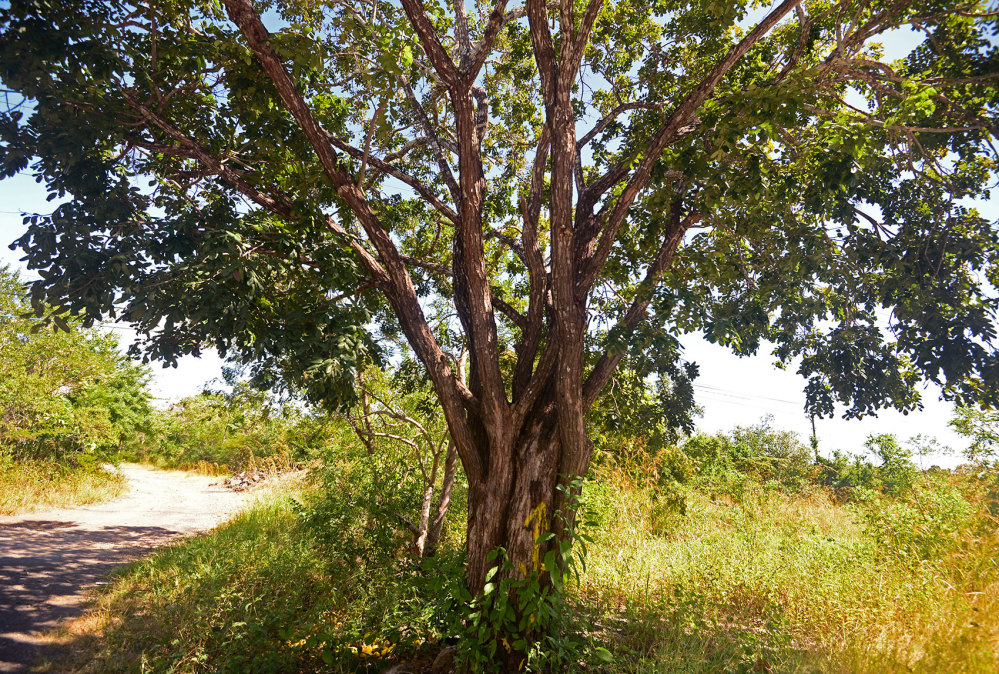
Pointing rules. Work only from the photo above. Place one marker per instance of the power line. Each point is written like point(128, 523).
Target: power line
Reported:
point(738, 403)
point(735, 394)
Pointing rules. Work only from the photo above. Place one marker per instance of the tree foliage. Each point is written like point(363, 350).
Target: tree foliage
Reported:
point(64, 394)
point(981, 427)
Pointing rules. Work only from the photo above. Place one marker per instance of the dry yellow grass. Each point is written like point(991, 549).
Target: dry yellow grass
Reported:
point(33, 486)
point(783, 583)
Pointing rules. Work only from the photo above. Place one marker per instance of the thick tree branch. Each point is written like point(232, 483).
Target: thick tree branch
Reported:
point(582, 37)
point(608, 362)
point(461, 35)
point(510, 312)
point(470, 68)
point(530, 338)
point(472, 295)
point(431, 42)
point(543, 45)
point(401, 295)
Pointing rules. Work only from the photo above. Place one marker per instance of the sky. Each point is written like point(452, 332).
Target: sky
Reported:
point(731, 390)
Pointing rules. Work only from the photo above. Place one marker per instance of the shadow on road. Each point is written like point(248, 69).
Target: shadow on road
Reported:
point(43, 566)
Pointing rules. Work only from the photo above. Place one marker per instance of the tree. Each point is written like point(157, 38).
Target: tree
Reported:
point(574, 182)
point(981, 426)
point(400, 411)
point(67, 394)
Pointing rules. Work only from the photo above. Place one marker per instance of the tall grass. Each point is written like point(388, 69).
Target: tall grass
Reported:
point(767, 582)
point(258, 594)
point(33, 485)
point(772, 582)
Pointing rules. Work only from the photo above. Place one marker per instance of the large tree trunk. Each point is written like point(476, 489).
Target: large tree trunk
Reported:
point(515, 503)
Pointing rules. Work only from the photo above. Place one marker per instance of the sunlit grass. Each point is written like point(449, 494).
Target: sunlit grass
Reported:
point(255, 594)
point(766, 583)
point(27, 486)
point(781, 583)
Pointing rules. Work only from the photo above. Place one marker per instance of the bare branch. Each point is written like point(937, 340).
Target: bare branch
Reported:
point(398, 174)
point(434, 139)
point(611, 116)
point(367, 142)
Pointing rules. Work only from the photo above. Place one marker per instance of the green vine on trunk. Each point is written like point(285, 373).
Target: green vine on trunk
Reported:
point(522, 621)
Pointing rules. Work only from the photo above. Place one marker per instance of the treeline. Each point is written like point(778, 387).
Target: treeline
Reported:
point(69, 401)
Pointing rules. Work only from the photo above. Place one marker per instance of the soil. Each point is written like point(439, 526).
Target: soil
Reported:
point(48, 560)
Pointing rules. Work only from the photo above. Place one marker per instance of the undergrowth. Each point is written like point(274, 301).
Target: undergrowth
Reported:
point(795, 583)
point(678, 579)
point(33, 485)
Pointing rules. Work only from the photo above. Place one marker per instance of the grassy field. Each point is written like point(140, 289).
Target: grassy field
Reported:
point(790, 584)
point(764, 583)
point(27, 486)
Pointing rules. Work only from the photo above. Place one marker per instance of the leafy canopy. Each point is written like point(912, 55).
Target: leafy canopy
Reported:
point(819, 194)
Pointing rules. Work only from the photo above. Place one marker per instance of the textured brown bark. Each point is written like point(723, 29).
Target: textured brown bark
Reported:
point(500, 509)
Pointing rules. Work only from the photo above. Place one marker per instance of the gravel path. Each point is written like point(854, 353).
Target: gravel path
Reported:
point(48, 559)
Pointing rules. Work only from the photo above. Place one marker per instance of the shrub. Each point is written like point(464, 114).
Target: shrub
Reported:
point(928, 525)
point(853, 476)
point(759, 453)
point(897, 472)
point(66, 395)
point(235, 430)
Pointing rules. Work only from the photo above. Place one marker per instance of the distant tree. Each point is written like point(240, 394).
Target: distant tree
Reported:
point(897, 473)
point(981, 427)
point(67, 393)
point(922, 446)
point(577, 181)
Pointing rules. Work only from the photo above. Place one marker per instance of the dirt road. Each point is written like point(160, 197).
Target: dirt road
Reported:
point(48, 559)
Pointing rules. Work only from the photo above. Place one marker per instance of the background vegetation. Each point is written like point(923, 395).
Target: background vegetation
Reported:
point(227, 432)
point(69, 401)
point(744, 551)
point(735, 552)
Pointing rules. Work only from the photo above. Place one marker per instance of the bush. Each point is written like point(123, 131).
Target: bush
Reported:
point(66, 395)
point(759, 453)
point(234, 431)
point(852, 476)
point(928, 525)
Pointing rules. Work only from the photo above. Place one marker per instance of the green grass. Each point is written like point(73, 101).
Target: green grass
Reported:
point(783, 583)
point(255, 595)
point(770, 583)
point(27, 486)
